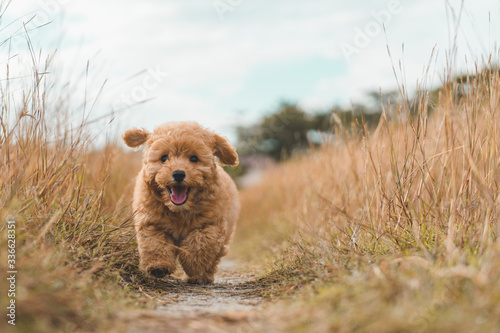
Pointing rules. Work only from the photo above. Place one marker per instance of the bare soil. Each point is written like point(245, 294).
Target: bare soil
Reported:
point(231, 304)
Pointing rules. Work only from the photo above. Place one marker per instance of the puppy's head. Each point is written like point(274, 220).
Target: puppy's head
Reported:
point(179, 160)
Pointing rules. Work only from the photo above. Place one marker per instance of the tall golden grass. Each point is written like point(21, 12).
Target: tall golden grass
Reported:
point(70, 205)
point(395, 229)
point(390, 230)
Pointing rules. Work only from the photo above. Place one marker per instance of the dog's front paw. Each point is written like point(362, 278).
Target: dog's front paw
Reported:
point(159, 272)
point(200, 280)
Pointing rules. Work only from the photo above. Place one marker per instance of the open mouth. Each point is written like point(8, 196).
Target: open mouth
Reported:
point(178, 194)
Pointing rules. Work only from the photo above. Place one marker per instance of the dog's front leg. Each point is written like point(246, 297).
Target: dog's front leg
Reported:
point(157, 252)
point(201, 252)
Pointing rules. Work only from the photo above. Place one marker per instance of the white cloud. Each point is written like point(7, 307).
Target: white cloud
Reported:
point(210, 60)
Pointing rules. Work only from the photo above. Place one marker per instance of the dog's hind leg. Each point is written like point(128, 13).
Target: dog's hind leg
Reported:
point(157, 251)
point(201, 252)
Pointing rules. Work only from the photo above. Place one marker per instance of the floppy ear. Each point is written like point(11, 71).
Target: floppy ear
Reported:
point(135, 137)
point(224, 151)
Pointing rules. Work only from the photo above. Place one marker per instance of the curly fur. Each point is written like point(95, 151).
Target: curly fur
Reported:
point(198, 231)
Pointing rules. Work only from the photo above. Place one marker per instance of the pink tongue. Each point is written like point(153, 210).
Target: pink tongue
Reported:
point(178, 195)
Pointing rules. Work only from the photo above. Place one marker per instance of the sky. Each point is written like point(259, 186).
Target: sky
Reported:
point(225, 63)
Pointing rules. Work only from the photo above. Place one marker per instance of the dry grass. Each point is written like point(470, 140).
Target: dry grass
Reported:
point(395, 230)
point(390, 231)
point(73, 235)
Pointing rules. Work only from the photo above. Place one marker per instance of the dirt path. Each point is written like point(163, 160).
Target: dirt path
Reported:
point(231, 304)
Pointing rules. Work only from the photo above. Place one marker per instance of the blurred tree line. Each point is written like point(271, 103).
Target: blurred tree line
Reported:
point(290, 129)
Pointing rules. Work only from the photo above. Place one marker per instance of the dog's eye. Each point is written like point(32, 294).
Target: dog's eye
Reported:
point(164, 158)
point(193, 159)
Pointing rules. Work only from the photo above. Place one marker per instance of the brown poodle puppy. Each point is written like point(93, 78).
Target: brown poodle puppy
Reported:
point(185, 204)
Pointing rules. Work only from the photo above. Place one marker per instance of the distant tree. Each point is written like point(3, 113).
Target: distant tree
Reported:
point(287, 130)
point(462, 84)
point(279, 134)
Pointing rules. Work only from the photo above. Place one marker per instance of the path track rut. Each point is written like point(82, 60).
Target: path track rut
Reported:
point(231, 304)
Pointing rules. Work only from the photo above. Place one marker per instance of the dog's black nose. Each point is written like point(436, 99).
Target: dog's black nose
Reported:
point(179, 175)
